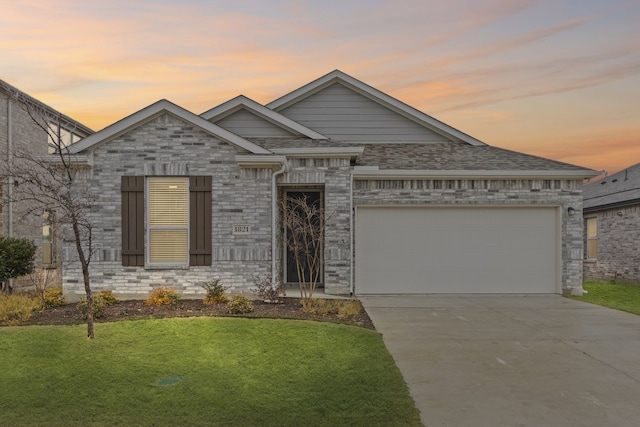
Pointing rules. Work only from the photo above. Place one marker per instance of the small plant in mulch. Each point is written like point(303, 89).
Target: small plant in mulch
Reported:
point(344, 309)
point(267, 290)
point(239, 304)
point(107, 297)
point(98, 308)
point(215, 290)
point(163, 296)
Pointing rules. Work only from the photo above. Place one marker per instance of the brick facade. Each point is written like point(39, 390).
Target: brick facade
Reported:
point(618, 253)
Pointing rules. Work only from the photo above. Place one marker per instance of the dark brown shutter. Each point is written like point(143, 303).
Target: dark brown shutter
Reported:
point(200, 220)
point(132, 190)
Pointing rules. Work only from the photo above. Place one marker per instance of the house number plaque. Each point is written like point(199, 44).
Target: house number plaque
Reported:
point(241, 229)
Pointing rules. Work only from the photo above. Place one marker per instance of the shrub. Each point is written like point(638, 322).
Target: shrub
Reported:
point(319, 307)
point(16, 259)
point(163, 296)
point(98, 307)
point(267, 290)
point(107, 297)
point(239, 304)
point(53, 298)
point(215, 292)
point(17, 308)
point(349, 308)
point(324, 307)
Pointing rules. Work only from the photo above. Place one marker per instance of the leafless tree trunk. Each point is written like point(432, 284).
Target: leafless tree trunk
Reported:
point(304, 224)
point(54, 182)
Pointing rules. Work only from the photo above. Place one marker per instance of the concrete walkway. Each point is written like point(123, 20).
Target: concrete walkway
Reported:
point(513, 360)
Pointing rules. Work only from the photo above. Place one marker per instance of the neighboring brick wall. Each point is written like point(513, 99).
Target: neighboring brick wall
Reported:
point(563, 193)
point(27, 138)
point(618, 250)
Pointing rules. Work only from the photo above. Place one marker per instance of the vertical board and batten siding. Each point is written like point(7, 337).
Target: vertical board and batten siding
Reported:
point(132, 190)
point(247, 124)
point(200, 220)
point(343, 114)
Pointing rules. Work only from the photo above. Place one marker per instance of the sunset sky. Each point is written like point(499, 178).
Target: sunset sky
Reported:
point(554, 78)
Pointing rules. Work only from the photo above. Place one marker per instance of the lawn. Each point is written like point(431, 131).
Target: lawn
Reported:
point(220, 371)
point(612, 295)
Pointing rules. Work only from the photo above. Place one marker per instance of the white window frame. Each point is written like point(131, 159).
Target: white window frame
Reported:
point(149, 228)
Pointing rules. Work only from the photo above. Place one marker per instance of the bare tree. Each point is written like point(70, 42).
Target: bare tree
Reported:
point(304, 227)
point(56, 182)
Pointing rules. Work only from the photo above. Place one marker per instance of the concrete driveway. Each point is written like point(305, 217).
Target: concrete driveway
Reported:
point(513, 360)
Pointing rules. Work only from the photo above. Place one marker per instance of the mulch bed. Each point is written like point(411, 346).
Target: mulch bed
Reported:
point(136, 309)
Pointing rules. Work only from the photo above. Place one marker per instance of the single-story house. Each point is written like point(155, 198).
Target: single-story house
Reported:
point(415, 205)
point(612, 227)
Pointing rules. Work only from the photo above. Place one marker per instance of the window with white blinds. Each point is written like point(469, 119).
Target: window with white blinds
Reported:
point(592, 238)
point(168, 220)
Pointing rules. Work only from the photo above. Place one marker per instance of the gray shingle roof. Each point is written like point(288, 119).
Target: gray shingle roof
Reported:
point(434, 156)
point(619, 188)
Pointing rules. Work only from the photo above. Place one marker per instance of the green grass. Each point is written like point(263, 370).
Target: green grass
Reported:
point(235, 372)
point(612, 295)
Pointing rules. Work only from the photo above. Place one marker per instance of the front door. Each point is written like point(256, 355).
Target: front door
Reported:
point(306, 241)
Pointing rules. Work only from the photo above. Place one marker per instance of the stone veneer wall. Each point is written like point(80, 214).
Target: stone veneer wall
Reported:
point(168, 146)
point(563, 193)
point(618, 253)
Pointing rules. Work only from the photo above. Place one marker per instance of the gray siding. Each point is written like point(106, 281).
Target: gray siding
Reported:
point(247, 124)
point(342, 114)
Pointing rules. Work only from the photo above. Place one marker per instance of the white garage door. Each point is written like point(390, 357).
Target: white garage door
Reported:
point(405, 250)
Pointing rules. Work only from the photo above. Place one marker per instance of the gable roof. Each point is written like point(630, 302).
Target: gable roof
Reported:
point(65, 121)
point(242, 102)
point(375, 95)
point(154, 110)
point(621, 188)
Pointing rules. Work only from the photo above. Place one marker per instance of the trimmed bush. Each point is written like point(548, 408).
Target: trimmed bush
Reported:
point(53, 298)
point(163, 296)
point(98, 307)
point(239, 304)
point(16, 259)
point(107, 297)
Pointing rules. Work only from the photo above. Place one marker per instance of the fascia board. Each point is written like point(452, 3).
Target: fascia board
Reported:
point(274, 117)
point(70, 124)
point(376, 96)
point(317, 152)
point(155, 110)
point(471, 174)
point(257, 161)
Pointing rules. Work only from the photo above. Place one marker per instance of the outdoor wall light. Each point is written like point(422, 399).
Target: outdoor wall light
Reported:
point(571, 211)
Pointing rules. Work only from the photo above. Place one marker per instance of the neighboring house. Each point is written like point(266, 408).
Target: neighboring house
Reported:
point(20, 135)
point(612, 227)
point(415, 205)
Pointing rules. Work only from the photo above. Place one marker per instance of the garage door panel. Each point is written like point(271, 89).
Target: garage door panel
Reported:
point(456, 250)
